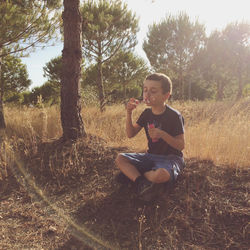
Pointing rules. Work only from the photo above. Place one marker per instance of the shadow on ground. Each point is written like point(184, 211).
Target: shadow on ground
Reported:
point(118, 219)
point(208, 207)
point(206, 203)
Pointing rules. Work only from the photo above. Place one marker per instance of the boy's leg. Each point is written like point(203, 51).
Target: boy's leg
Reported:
point(166, 168)
point(127, 168)
point(142, 185)
point(159, 175)
point(159, 178)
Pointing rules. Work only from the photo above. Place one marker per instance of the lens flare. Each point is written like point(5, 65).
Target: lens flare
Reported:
point(80, 232)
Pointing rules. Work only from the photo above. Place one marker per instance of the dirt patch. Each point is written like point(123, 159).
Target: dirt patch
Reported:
point(55, 207)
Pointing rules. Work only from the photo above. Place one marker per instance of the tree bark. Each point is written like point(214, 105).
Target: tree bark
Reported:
point(181, 79)
point(101, 87)
point(125, 90)
point(189, 90)
point(71, 119)
point(240, 83)
point(2, 121)
point(220, 90)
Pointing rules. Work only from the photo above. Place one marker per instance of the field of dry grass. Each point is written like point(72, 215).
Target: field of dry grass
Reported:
point(56, 196)
point(216, 131)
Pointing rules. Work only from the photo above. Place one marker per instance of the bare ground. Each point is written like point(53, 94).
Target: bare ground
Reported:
point(64, 196)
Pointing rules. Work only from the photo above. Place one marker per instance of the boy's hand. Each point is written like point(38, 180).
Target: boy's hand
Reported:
point(131, 105)
point(155, 133)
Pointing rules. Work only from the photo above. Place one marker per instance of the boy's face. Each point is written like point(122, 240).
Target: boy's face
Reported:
point(153, 93)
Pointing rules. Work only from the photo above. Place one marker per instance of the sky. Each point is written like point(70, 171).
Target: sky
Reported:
point(214, 14)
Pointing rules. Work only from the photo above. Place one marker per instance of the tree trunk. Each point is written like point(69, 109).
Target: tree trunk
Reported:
point(240, 84)
point(125, 90)
point(101, 87)
point(181, 81)
point(182, 89)
point(220, 89)
point(71, 119)
point(2, 121)
point(189, 90)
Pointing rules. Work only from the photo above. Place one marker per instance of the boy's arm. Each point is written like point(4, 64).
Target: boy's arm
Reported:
point(177, 142)
point(131, 129)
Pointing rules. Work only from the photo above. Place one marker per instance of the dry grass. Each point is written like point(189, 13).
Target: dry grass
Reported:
point(216, 131)
point(64, 192)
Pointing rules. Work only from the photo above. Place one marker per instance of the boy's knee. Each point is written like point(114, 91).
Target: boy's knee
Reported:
point(162, 175)
point(119, 159)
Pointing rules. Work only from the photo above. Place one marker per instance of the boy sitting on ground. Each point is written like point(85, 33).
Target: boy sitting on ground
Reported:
point(164, 128)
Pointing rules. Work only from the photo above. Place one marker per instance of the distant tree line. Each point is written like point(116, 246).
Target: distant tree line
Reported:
point(201, 67)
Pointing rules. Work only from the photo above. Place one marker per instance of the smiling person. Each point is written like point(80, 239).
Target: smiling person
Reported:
point(164, 128)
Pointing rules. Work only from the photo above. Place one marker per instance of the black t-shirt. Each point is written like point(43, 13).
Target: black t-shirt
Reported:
point(171, 121)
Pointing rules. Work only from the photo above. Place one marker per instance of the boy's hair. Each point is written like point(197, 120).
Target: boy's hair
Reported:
point(166, 83)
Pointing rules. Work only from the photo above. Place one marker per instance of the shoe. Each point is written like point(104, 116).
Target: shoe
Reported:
point(122, 179)
point(148, 191)
point(143, 186)
point(153, 193)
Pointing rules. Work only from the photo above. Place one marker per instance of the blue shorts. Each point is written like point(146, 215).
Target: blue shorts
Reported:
point(145, 162)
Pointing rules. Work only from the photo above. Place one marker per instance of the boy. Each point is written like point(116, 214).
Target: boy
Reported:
point(164, 129)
